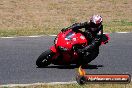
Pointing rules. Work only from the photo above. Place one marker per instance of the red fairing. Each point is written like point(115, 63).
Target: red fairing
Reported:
point(70, 38)
point(53, 49)
point(65, 42)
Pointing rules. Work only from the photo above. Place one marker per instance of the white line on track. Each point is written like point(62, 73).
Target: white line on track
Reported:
point(26, 36)
point(50, 83)
point(123, 32)
point(37, 84)
point(7, 37)
point(52, 35)
point(34, 36)
point(47, 35)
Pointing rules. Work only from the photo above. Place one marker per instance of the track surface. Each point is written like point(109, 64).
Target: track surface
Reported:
point(18, 56)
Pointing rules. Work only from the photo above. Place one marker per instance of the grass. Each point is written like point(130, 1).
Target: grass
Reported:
point(38, 17)
point(76, 86)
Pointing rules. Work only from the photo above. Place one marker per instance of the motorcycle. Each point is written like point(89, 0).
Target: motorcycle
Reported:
point(64, 50)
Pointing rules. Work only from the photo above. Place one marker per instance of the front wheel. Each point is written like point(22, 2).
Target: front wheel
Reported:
point(45, 58)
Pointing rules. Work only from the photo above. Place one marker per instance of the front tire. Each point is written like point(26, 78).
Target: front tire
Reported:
point(45, 58)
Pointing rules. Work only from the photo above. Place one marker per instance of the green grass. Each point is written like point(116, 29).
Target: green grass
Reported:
point(76, 86)
point(118, 26)
point(111, 27)
point(27, 32)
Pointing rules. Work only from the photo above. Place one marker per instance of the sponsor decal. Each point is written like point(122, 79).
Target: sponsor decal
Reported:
point(82, 37)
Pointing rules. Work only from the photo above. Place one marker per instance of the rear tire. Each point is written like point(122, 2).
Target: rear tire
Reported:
point(45, 58)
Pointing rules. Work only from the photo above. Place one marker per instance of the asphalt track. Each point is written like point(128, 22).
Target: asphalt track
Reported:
point(18, 56)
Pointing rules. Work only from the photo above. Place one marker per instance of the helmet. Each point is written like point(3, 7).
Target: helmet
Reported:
point(96, 21)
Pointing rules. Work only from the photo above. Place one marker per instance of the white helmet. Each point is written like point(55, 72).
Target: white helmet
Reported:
point(96, 21)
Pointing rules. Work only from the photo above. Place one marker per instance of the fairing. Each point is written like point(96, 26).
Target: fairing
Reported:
point(69, 38)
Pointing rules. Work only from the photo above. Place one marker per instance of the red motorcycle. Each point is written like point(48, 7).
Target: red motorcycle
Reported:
point(64, 50)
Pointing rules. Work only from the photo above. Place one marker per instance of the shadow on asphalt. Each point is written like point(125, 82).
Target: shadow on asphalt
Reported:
point(74, 66)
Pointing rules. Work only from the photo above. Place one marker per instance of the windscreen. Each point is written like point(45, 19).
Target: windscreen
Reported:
point(69, 35)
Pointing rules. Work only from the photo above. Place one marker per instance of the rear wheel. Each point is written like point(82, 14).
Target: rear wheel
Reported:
point(45, 58)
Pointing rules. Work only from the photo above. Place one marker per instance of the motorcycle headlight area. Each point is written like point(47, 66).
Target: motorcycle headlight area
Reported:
point(60, 48)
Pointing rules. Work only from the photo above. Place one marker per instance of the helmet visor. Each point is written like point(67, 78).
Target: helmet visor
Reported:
point(93, 25)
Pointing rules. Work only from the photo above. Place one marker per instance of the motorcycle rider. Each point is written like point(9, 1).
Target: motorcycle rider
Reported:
point(93, 32)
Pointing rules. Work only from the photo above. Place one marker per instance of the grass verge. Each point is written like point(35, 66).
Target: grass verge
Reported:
point(75, 86)
point(114, 26)
point(38, 17)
